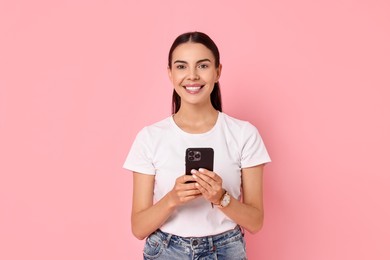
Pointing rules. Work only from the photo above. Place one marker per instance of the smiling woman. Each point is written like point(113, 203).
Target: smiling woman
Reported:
point(172, 209)
point(194, 74)
point(198, 69)
point(207, 47)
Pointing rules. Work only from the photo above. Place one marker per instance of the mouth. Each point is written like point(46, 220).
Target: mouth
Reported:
point(193, 88)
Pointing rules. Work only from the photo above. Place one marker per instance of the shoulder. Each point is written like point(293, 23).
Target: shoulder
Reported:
point(156, 129)
point(237, 124)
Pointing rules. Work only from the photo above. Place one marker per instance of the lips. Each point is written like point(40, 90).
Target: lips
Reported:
point(193, 88)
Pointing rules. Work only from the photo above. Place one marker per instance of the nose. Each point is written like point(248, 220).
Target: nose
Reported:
point(193, 74)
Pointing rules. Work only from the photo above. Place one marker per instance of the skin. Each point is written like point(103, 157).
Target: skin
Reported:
point(193, 65)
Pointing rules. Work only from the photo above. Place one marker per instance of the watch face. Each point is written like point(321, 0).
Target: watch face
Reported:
point(225, 201)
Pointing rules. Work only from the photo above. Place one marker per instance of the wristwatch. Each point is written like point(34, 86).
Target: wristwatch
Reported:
point(225, 200)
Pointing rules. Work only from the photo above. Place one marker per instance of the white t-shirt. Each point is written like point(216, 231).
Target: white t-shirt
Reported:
point(159, 150)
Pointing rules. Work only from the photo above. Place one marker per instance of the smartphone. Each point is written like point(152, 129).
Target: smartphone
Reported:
point(199, 158)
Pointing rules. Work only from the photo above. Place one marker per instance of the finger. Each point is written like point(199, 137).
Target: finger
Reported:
point(199, 175)
point(209, 194)
point(208, 186)
point(204, 191)
point(186, 193)
point(212, 175)
point(202, 185)
point(195, 192)
point(192, 197)
point(185, 178)
point(189, 195)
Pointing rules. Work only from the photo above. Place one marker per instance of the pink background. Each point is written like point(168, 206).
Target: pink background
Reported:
point(79, 78)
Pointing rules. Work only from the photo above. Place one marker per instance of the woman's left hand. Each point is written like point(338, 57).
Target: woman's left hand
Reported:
point(209, 184)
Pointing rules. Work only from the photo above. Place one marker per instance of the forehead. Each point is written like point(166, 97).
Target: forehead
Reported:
point(192, 52)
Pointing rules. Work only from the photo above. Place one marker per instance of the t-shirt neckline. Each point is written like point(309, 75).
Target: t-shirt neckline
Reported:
point(199, 134)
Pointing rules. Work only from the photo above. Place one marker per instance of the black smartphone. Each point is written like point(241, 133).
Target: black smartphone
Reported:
point(199, 158)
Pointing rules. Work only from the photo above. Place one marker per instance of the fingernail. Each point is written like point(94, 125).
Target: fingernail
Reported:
point(201, 170)
point(193, 171)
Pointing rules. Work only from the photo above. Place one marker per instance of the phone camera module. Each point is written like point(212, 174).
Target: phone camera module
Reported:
point(194, 155)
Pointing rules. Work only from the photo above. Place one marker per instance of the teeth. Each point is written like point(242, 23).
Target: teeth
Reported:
point(193, 88)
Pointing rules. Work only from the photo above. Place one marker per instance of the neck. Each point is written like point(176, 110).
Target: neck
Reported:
point(194, 112)
point(196, 119)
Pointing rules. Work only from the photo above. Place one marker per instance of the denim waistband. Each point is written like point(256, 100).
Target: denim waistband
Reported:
point(201, 242)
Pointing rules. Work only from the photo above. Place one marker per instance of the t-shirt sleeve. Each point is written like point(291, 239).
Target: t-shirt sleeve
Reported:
point(254, 151)
point(139, 158)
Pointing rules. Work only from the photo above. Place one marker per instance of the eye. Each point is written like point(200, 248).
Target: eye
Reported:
point(180, 66)
point(203, 66)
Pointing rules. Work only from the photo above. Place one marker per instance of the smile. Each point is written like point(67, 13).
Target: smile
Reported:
point(193, 89)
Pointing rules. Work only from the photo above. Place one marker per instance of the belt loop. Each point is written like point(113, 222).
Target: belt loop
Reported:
point(211, 244)
point(167, 239)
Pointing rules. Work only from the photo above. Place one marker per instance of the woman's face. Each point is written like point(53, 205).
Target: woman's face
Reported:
point(193, 73)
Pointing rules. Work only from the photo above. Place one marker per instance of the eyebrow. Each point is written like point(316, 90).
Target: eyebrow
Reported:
point(199, 61)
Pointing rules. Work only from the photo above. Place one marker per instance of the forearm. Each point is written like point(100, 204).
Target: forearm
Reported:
point(145, 222)
point(247, 216)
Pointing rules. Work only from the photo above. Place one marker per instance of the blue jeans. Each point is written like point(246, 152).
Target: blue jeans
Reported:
point(227, 245)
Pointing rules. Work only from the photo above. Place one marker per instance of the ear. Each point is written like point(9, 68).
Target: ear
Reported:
point(169, 73)
point(219, 71)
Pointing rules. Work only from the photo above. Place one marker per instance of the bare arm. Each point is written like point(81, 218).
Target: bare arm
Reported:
point(147, 217)
point(249, 213)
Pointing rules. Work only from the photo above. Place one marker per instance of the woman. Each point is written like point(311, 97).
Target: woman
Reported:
point(199, 215)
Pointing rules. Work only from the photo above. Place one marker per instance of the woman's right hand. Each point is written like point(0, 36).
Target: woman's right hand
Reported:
point(147, 216)
point(184, 191)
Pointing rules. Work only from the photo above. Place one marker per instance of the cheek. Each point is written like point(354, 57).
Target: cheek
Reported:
point(211, 78)
point(177, 76)
point(177, 80)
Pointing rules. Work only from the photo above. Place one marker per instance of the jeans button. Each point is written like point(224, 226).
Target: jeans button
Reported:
point(195, 242)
